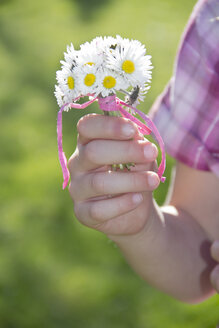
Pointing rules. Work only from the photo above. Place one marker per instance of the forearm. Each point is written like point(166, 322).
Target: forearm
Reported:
point(168, 249)
point(172, 253)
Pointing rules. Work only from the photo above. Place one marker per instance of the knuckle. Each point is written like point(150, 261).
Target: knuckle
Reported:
point(113, 126)
point(94, 212)
point(122, 206)
point(71, 162)
point(136, 181)
point(82, 124)
point(79, 214)
point(77, 211)
point(73, 190)
point(90, 152)
point(129, 149)
point(215, 250)
point(97, 183)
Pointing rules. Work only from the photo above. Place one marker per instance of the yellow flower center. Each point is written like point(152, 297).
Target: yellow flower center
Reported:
point(89, 80)
point(89, 63)
point(109, 82)
point(71, 82)
point(128, 66)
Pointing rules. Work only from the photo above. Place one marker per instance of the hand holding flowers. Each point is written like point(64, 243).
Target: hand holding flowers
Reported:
point(113, 202)
point(99, 70)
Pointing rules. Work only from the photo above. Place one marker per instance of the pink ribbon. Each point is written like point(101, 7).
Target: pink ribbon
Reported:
point(62, 157)
point(111, 103)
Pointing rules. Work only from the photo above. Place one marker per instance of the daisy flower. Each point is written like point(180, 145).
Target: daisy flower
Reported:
point(129, 60)
point(109, 42)
point(102, 44)
point(71, 57)
point(110, 82)
point(59, 96)
point(136, 95)
point(97, 43)
point(68, 83)
point(88, 80)
point(89, 55)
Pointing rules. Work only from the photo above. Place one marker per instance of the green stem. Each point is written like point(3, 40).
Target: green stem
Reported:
point(111, 113)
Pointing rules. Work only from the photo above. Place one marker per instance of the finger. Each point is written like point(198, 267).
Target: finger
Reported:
point(95, 126)
point(106, 152)
point(112, 183)
point(215, 278)
point(129, 223)
point(215, 250)
point(94, 213)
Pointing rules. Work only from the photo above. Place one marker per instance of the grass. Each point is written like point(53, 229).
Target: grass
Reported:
point(53, 271)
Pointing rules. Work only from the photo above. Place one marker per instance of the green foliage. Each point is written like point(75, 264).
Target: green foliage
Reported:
point(54, 272)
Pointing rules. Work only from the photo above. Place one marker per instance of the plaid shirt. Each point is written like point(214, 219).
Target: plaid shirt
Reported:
point(187, 112)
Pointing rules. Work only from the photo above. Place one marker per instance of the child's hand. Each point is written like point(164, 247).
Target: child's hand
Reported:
point(116, 203)
point(215, 272)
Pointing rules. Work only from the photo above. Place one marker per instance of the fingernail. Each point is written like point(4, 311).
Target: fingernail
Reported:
point(128, 130)
point(216, 244)
point(215, 250)
point(137, 198)
point(153, 180)
point(150, 151)
point(215, 278)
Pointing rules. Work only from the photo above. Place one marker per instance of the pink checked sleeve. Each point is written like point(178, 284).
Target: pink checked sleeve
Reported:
point(187, 112)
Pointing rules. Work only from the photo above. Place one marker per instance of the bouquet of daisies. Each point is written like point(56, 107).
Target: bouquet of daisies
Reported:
point(101, 69)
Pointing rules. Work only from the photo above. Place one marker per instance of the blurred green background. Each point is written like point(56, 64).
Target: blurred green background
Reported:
point(53, 271)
